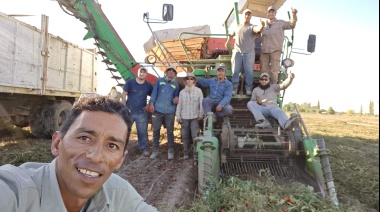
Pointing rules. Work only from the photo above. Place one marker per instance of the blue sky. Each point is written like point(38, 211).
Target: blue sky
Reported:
point(342, 73)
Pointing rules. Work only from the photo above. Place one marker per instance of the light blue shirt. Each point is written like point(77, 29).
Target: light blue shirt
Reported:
point(220, 92)
point(34, 187)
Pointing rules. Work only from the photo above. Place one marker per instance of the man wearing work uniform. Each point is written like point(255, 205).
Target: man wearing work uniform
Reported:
point(263, 103)
point(272, 38)
point(163, 104)
point(243, 55)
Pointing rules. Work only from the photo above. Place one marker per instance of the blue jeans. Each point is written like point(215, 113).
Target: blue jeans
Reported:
point(260, 112)
point(141, 121)
point(247, 61)
point(159, 119)
point(192, 126)
point(209, 106)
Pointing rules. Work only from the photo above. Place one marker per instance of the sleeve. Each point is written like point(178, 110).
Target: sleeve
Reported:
point(257, 29)
point(291, 24)
point(8, 194)
point(254, 95)
point(153, 96)
point(18, 192)
point(203, 82)
point(150, 89)
point(200, 103)
point(176, 92)
point(227, 95)
point(126, 86)
point(285, 84)
point(179, 105)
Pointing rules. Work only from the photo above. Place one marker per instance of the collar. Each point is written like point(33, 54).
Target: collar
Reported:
point(51, 199)
point(274, 20)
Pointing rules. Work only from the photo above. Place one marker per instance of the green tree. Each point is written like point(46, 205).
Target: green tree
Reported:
point(361, 110)
point(330, 111)
point(318, 105)
point(371, 108)
point(350, 112)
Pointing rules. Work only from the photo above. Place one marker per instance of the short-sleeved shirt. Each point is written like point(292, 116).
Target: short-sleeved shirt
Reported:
point(137, 95)
point(34, 187)
point(245, 38)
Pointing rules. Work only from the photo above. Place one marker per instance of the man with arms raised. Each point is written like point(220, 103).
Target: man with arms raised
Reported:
point(263, 103)
point(89, 147)
point(272, 39)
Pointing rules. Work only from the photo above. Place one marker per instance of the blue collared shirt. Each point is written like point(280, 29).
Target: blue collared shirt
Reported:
point(220, 92)
point(163, 94)
point(34, 187)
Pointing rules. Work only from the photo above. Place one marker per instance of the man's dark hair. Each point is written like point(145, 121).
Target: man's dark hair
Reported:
point(98, 103)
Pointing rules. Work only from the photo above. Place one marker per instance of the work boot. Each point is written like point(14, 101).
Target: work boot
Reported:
point(234, 92)
point(154, 154)
point(263, 124)
point(289, 124)
point(146, 153)
point(186, 156)
point(171, 154)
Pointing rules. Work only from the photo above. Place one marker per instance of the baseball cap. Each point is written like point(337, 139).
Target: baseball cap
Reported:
point(189, 74)
point(142, 68)
point(271, 8)
point(171, 67)
point(221, 66)
point(247, 10)
point(264, 75)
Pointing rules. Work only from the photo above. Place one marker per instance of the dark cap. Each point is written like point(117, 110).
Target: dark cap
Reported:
point(264, 75)
point(271, 8)
point(221, 66)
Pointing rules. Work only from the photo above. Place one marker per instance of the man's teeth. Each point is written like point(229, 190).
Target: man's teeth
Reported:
point(89, 173)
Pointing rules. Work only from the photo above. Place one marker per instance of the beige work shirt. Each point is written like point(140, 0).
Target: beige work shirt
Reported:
point(33, 187)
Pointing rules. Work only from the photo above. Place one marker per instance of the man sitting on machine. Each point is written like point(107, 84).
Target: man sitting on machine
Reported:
point(263, 102)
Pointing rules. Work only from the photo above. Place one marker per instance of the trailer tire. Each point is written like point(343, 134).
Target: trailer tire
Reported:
point(49, 118)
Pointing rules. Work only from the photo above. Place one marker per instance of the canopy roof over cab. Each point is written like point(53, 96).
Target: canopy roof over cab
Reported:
point(258, 7)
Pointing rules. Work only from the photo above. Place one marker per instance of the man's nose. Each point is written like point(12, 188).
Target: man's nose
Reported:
point(95, 153)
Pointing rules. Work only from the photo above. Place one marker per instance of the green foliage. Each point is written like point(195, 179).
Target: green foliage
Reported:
point(262, 195)
point(330, 111)
point(350, 112)
point(304, 107)
point(361, 110)
point(371, 108)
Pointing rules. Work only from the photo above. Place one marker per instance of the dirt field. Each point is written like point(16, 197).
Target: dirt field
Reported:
point(353, 142)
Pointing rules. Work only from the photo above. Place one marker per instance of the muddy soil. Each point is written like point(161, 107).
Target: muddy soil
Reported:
point(165, 184)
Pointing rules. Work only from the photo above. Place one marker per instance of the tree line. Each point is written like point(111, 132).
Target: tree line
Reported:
point(306, 107)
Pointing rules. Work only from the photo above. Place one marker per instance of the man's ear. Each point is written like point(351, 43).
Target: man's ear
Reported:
point(122, 159)
point(55, 141)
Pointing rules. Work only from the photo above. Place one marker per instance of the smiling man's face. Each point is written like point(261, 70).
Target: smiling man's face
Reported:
point(90, 151)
